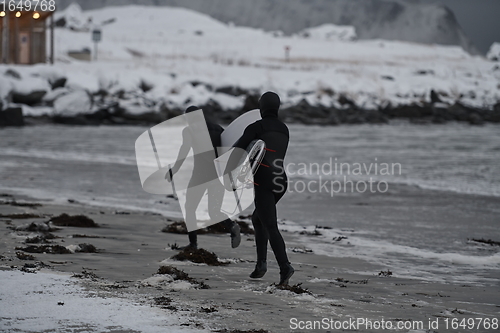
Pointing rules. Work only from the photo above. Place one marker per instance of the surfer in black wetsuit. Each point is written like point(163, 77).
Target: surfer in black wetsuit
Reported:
point(202, 179)
point(270, 184)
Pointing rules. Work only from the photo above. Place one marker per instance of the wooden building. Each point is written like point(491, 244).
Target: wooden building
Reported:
point(23, 37)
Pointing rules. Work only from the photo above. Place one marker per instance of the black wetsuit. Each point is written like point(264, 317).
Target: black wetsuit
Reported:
point(203, 173)
point(270, 179)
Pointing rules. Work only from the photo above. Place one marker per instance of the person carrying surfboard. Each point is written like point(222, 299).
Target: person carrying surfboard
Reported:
point(270, 183)
point(201, 181)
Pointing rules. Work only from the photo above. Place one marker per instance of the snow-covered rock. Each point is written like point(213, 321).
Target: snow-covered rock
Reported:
point(73, 103)
point(494, 52)
point(73, 18)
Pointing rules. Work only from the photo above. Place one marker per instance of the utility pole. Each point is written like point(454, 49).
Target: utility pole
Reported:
point(96, 37)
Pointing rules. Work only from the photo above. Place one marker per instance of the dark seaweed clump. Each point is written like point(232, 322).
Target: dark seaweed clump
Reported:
point(219, 228)
point(178, 274)
point(175, 228)
point(21, 204)
point(199, 256)
point(40, 238)
point(36, 227)
point(209, 310)
point(52, 249)
point(20, 216)
point(484, 241)
point(23, 256)
point(297, 289)
point(81, 221)
point(385, 273)
point(311, 233)
point(164, 303)
point(57, 249)
point(86, 248)
point(86, 275)
point(342, 280)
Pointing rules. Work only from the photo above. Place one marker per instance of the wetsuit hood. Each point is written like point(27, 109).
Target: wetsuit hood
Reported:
point(191, 109)
point(269, 104)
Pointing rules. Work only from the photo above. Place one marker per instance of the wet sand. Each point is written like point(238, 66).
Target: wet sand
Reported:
point(131, 248)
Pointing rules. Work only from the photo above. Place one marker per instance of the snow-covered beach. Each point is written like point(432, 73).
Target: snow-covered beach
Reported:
point(118, 289)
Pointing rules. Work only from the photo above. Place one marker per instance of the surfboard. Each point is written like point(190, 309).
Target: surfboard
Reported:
point(236, 128)
point(229, 137)
point(251, 162)
point(241, 177)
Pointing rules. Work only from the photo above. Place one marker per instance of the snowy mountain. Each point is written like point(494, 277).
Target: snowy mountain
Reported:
point(373, 19)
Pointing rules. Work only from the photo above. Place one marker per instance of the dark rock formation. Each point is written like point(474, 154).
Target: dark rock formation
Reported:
point(11, 117)
point(34, 97)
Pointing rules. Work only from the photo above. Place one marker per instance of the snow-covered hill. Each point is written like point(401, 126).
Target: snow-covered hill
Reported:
point(373, 19)
point(162, 58)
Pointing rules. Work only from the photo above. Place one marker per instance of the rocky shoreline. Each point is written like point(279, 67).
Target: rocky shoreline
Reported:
point(301, 113)
point(55, 101)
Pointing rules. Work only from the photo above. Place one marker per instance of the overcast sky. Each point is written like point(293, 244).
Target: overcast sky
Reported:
point(480, 20)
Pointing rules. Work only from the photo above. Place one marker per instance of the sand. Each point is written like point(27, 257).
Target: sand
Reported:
point(131, 248)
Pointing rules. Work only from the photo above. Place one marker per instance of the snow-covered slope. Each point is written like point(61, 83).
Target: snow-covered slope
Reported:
point(373, 19)
point(175, 57)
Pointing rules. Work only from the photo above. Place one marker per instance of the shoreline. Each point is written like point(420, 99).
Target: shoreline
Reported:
point(301, 113)
point(132, 248)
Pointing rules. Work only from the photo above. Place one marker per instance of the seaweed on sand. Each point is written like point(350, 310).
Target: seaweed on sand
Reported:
point(484, 241)
point(342, 280)
point(175, 228)
point(21, 204)
point(219, 228)
point(57, 249)
point(311, 233)
point(86, 248)
point(297, 289)
point(20, 216)
point(36, 227)
point(82, 221)
point(23, 256)
point(199, 256)
point(385, 273)
point(178, 274)
point(52, 249)
point(86, 275)
point(40, 238)
point(164, 303)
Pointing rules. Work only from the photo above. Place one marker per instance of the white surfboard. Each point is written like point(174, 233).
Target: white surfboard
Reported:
point(236, 201)
point(235, 130)
point(230, 135)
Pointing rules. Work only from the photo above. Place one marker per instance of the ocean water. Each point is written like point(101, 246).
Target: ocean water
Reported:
point(97, 166)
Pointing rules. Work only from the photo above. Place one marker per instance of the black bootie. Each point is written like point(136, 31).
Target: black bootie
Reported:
point(260, 269)
point(286, 272)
